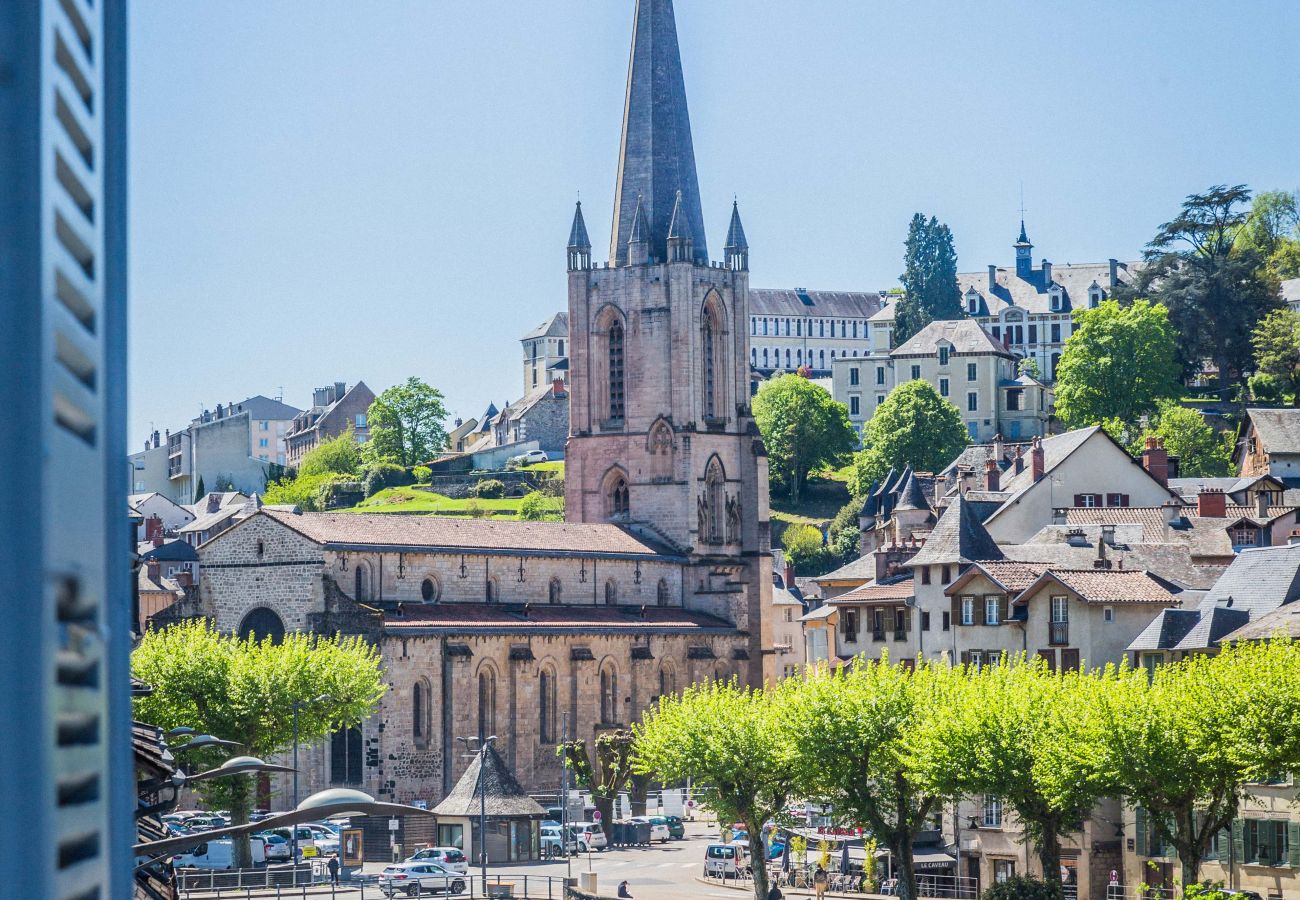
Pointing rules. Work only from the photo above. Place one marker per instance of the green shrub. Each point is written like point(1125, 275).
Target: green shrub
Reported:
point(423, 474)
point(806, 551)
point(538, 507)
point(385, 475)
point(843, 537)
point(339, 454)
point(1265, 388)
point(1021, 888)
point(311, 493)
point(488, 489)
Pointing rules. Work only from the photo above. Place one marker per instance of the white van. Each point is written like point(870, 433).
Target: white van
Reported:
point(219, 855)
point(590, 836)
point(723, 861)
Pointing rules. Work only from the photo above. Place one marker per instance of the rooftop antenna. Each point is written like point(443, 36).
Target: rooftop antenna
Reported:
point(1022, 201)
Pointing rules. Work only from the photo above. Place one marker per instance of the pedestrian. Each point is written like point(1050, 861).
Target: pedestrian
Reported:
point(333, 866)
point(774, 893)
point(623, 892)
point(819, 882)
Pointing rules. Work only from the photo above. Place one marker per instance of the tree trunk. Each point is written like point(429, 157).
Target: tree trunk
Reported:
point(1049, 852)
point(758, 859)
point(1190, 858)
point(241, 849)
point(640, 786)
point(904, 867)
point(605, 805)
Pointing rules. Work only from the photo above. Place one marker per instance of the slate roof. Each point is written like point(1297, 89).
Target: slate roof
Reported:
point(975, 456)
point(1055, 450)
point(173, 550)
point(901, 589)
point(1113, 585)
point(547, 617)
point(206, 520)
point(966, 336)
point(1278, 429)
point(134, 500)
point(958, 536)
point(161, 583)
point(500, 790)
point(1188, 488)
point(1166, 630)
point(556, 326)
point(736, 231)
point(470, 535)
point(911, 496)
point(578, 239)
point(1260, 579)
point(861, 569)
point(814, 304)
point(1284, 620)
point(260, 407)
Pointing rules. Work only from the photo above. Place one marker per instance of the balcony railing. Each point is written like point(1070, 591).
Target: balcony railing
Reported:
point(900, 634)
point(877, 634)
point(1058, 633)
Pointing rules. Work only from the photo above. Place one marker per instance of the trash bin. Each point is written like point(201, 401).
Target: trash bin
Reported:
point(642, 833)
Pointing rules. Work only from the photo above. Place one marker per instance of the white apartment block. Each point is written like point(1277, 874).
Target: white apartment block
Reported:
point(790, 329)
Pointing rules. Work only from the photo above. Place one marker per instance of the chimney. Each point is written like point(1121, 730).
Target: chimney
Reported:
point(999, 449)
point(1114, 273)
point(788, 575)
point(214, 502)
point(1211, 503)
point(158, 539)
point(340, 388)
point(557, 387)
point(154, 569)
point(1018, 464)
point(1155, 459)
point(185, 578)
point(992, 476)
point(1047, 273)
point(459, 421)
point(153, 528)
point(1037, 464)
point(1173, 512)
point(1261, 505)
point(993, 278)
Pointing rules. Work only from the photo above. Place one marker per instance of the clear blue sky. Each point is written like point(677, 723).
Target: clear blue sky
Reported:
point(329, 191)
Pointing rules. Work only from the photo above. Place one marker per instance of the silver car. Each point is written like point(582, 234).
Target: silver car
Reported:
point(417, 878)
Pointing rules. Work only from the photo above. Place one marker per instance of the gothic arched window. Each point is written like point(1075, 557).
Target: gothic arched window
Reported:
point(617, 405)
point(667, 680)
point(619, 503)
point(492, 592)
point(661, 595)
point(608, 695)
point(361, 578)
point(487, 703)
point(611, 593)
point(715, 499)
point(712, 358)
point(554, 592)
point(546, 700)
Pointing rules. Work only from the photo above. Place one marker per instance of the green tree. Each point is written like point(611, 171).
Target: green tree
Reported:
point(199, 491)
point(605, 776)
point(853, 732)
point(804, 548)
point(803, 429)
point(1201, 452)
point(244, 691)
point(1119, 362)
point(1272, 230)
point(735, 743)
point(310, 493)
point(1184, 740)
point(539, 507)
point(337, 455)
point(843, 538)
point(914, 426)
point(406, 424)
point(1215, 289)
point(1029, 366)
point(929, 278)
point(1029, 736)
point(1276, 340)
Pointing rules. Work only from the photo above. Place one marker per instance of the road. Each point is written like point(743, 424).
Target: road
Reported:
point(659, 872)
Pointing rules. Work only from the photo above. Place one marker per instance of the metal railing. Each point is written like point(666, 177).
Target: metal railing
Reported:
point(1058, 633)
point(1140, 892)
point(267, 883)
point(800, 878)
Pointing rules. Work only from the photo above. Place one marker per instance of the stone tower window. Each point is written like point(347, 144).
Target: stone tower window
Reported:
point(546, 698)
point(619, 502)
point(611, 593)
point(617, 404)
point(487, 703)
point(714, 502)
point(555, 591)
point(491, 591)
point(429, 590)
point(361, 577)
point(712, 359)
point(661, 595)
point(608, 696)
point(667, 681)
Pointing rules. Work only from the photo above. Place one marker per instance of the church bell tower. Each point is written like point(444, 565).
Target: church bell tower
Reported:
point(661, 436)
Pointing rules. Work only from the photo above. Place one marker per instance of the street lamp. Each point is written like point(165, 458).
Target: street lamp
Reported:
point(483, 744)
point(297, 705)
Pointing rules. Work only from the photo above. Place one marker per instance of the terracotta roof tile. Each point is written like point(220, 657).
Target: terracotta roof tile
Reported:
point(1114, 585)
point(898, 590)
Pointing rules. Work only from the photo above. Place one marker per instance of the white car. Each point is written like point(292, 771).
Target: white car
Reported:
point(535, 456)
point(658, 830)
point(415, 878)
point(590, 836)
point(451, 858)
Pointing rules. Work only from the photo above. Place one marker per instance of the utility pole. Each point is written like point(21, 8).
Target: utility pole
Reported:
point(483, 744)
point(564, 800)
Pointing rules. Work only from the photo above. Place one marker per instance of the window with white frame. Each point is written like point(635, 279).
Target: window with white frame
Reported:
point(968, 610)
point(992, 811)
point(943, 387)
point(991, 615)
point(1108, 614)
point(943, 356)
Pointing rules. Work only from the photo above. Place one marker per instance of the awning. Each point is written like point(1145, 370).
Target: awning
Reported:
point(928, 858)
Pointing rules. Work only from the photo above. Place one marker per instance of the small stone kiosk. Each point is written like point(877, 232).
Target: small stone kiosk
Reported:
point(513, 818)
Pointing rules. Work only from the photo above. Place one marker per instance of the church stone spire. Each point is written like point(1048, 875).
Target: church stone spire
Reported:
point(579, 243)
point(737, 249)
point(638, 240)
point(656, 156)
point(680, 243)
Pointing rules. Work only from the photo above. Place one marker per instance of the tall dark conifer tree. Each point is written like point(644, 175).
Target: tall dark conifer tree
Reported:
point(929, 279)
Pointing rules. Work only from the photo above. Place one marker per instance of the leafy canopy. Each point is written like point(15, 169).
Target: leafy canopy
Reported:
point(1276, 340)
point(914, 426)
point(929, 278)
point(406, 424)
point(1119, 362)
point(1201, 452)
point(338, 455)
point(803, 429)
point(1272, 230)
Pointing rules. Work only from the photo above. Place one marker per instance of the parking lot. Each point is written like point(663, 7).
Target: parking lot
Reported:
point(658, 872)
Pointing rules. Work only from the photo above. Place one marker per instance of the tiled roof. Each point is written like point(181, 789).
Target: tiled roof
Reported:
point(958, 536)
point(1114, 585)
point(818, 305)
point(1171, 561)
point(1014, 576)
point(965, 335)
point(1151, 518)
point(556, 326)
point(545, 617)
point(469, 535)
point(894, 590)
point(1278, 429)
point(497, 791)
point(1236, 511)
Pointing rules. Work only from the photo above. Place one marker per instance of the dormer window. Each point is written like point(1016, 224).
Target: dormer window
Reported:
point(972, 301)
point(1058, 298)
point(943, 355)
point(1094, 296)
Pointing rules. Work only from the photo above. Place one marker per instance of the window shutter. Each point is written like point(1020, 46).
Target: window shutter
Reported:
point(1293, 844)
point(1078, 499)
point(965, 657)
point(1142, 832)
point(1238, 841)
point(1123, 499)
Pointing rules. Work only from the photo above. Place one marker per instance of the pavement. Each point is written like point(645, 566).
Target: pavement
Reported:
point(659, 872)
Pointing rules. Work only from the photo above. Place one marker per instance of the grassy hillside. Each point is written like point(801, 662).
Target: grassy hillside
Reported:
point(410, 500)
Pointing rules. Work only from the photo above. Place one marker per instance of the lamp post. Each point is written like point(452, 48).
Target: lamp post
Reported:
point(483, 744)
point(297, 705)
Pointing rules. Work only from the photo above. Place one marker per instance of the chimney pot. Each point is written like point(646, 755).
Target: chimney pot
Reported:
point(992, 476)
point(1211, 503)
point(1037, 463)
point(993, 278)
point(1155, 459)
point(1114, 273)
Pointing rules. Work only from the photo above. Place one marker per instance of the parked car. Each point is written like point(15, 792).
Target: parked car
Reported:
point(448, 857)
point(535, 456)
point(723, 861)
point(414, 878)
point(590, 836)
point(278, 848)
point(554, 844)
point(676, 827)
point(219, 855)
point(658, 827)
